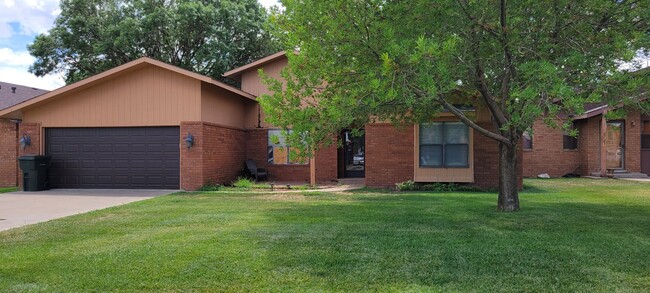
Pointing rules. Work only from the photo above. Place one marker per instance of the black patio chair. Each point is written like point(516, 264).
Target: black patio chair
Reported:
point(257, 173)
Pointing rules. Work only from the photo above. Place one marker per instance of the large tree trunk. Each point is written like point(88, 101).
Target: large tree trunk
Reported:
point(508, 187)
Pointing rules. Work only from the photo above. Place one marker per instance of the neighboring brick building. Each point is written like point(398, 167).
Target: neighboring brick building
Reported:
point(10, 95)
point(557, 154)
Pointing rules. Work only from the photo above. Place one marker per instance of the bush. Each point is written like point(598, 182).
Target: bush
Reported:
point(406, 186)
point(243, 182)
point(437, 187)
point(210, 187)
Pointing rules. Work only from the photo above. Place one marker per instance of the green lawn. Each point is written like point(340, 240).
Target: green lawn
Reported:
point(573, 235)
point(7, 189)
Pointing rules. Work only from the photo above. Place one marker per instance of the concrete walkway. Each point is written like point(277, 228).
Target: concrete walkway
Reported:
point(25, 208)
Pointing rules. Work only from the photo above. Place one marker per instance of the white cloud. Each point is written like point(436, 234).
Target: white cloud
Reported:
point(19, 75)
point(6, 31)
point(14, 70)
point(10, 58)
point(33, 16)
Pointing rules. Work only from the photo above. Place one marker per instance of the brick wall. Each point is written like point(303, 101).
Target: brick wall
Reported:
point(326, 164)
point(389, 155)
point(192, 158)
point(548, 154)
point(33, 130)
point(224, 156)
point(8, 154)
point(486, 160)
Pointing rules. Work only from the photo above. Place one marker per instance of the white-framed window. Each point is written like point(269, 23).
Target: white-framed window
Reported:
point(444, 145)
point(279, 152)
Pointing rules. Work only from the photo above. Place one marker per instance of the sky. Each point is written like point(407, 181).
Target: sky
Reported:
point(20, 22)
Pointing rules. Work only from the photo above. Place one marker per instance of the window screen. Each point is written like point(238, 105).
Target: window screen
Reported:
point(444, 144)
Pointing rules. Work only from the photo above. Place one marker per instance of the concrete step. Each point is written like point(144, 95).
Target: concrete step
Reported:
point(622, 174)
point(630, 175)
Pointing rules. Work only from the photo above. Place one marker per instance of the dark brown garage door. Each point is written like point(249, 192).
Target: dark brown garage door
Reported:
point(133, 157)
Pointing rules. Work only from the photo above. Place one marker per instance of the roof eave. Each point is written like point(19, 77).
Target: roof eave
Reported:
point(237, 72)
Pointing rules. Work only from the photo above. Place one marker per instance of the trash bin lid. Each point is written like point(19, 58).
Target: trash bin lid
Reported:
point(34, 158)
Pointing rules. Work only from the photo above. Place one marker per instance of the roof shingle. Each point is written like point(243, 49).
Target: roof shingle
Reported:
point(9, 97)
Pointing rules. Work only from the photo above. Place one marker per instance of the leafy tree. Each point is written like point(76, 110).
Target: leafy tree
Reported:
point(406, 61)
point(208, 36)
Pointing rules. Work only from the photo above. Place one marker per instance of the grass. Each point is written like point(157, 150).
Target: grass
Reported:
point(572, 235)
point(8, 189)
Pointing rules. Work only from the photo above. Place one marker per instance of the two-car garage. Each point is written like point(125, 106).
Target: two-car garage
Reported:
point(119, 157)
point(125, 129)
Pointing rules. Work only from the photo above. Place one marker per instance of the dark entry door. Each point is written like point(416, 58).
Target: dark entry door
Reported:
point(114, 158)
point(354, 155)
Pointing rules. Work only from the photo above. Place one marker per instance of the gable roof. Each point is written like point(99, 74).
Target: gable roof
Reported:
point(12, 94)
point(130, 66)
point(237, 72)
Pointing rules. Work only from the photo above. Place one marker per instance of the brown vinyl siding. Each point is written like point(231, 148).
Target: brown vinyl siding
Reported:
point(149, 96)
point(221, 107)
point(252, 83)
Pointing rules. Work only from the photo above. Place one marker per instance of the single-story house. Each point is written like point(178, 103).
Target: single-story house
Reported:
point(10, 95)
point(148, 124)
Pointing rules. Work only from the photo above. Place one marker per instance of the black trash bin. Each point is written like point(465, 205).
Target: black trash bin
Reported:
point(35, 172)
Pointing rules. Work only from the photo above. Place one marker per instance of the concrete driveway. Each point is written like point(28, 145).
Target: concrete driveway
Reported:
point(24, 208)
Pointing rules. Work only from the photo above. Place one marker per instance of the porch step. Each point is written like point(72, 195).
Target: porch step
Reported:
point(622, 174)
point(629, 175)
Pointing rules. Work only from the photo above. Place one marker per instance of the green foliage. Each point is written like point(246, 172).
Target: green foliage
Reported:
point(208, 37)
point(210, 186)
point(410, 185)
point(407, 61)
point(243, 182)
point(365, 61)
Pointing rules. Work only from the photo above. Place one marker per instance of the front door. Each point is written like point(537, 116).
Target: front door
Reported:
point(354, 155)
point(615, 145)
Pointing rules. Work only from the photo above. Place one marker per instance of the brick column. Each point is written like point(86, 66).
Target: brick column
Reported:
point(8, 154)
point(33, 131)
point(192, 158)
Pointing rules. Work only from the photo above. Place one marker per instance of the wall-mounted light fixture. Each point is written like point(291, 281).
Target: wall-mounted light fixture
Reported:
point(25, 141)
point(189, 140)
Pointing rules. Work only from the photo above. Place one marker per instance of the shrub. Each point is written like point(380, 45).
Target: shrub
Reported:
point(210, 186)
point(406, 186)
point(243, 182)
point(410, 185)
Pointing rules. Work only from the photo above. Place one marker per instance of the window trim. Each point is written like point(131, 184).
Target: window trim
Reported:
point(269, 149)
point(444, 147)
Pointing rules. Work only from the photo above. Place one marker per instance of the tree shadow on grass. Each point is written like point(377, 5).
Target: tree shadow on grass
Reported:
point(425, 242)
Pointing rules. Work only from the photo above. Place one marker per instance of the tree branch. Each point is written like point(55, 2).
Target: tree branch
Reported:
point(470, 123)
point(464, 118)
